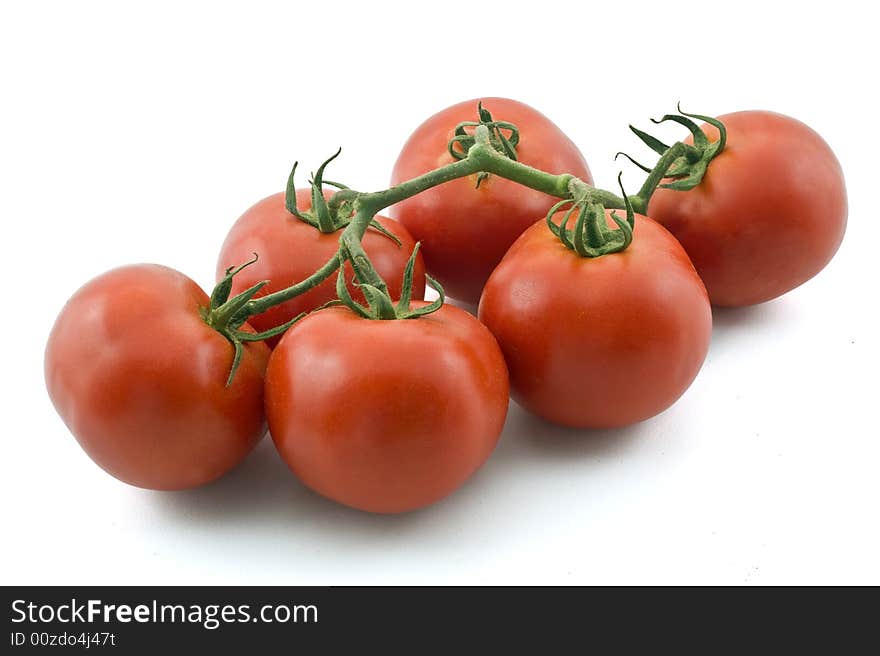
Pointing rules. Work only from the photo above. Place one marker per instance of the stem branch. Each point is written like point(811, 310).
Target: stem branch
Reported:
point(258, 305)
point(482, 157)
point(657, 174)
point(379, 200)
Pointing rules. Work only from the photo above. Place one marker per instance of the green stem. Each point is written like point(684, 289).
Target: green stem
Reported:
point(578, 189)
point(258, 305)
point(490, 161)
point(593, 231)
point(379, 200)
point(656, 175)
point(350, 242)
point(481, 158)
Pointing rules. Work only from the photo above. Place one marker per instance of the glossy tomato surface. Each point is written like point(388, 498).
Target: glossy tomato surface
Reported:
point(598, 342)
point(386, 416)
point(464, 230)
point(769, 214)
point(139, 378)
point(291, 250)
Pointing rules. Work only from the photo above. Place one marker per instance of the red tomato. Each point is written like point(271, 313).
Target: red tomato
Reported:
point(598, 342)
point(291, 250)
point(139, 378)
point(769, 214)
point(464, 230)
point(386, 416)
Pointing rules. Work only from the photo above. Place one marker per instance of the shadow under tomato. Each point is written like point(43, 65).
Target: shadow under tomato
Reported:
point(732, 321)
point(263, 491)
point(527, 436)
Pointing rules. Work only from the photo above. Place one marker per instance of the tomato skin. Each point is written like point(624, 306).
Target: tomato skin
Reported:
point(139, 379)
point(769, 214)
point(598, 342)
point(386, 416)
point(465, 231)
point(290, 251)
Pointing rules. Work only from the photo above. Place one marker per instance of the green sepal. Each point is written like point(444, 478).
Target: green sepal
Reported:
point(331, 303)
point(501, 142)
point(228, 311)
point(345, 297)
point(552, 212)
point(378, 227)
point(506, 145)
point(700, 139)
point(290, 196)
point(699, 155)
point(689, 162)
point(245, 336)
point(688, 183)
point(238, 337)
point(644, 168)
point(591, 236)
point(624, 231)
point(433, 306)
point(323, 216)
point(485, 116)
point(380, 304)
point(651, 142)
point(221, 291)
point(406, 289)
point(338, 185)
point(577, 239)
point(465, 140)
point(238, 351)
point(714, 122)
point(630, 211)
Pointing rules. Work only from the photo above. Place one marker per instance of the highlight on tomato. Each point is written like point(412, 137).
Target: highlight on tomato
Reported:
point(386, 408)
point(139, 365)
point(294, 233)
point(769, 213)
point(466, 225)
point(599, 327)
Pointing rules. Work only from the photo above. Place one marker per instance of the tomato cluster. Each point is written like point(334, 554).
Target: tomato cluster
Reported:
point(384, 402)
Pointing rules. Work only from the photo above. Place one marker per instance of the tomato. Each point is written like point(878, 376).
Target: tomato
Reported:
point(465, 230)
point(598, 342)
point(386, 415)
point(291, 250)
point(769, 214)
point(140, 380)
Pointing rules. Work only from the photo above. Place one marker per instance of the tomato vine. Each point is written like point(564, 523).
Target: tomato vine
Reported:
point(483, 147)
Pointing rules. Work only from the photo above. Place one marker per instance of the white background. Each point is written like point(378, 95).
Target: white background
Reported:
point(140, 131)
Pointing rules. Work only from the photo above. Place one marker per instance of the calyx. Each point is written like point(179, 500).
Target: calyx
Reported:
point(380, 305)
point(690, 161)
point(503, 137)
point(227, 315)
point(591, 236)
point(328, 217)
